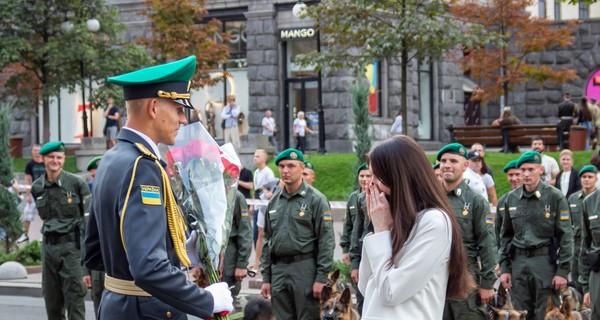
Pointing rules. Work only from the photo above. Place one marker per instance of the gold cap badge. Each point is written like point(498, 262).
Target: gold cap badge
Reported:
point(293, 155)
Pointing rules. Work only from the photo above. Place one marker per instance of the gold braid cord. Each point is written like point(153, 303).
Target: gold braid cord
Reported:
point(175, 220)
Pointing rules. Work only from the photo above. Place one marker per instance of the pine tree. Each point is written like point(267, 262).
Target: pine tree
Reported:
point(360, 107)
point(10, 217)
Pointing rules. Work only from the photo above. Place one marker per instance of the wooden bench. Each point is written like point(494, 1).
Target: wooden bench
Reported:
point(509, 138)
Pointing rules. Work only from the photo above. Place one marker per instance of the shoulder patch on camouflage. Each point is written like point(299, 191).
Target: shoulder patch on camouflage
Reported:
point(564, 215)
point(489, 219)
point(244, 212)
point(327, 215)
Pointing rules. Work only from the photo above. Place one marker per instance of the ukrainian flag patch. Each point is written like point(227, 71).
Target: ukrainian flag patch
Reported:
point(244, 212)
point(489, 219)
point(150, 195)
point(564, 215)
point(327, 215)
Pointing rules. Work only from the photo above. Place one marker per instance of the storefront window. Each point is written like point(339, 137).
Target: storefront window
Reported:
point(295, 48)
point(425, 128)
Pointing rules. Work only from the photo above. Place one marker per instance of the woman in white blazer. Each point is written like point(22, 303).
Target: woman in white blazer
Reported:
point(413, 260)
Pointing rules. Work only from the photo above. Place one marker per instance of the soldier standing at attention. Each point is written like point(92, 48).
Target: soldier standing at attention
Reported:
point(588, 176)
point(589, 256)
point(308, 174)
point(476, 222)
point(298, 243)
point(513, 175)
point(239, 246)
point(355, 219)
point(128, 236)
point(536, 224)
point(59, 198)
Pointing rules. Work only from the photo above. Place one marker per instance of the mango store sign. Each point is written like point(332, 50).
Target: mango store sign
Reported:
point(297, 33)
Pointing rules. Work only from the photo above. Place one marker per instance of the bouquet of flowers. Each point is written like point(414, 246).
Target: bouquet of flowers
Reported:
point(204, 178)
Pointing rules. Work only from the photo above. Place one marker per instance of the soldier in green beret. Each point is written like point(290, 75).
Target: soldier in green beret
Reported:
point(355, 229)
point(588, 177)
point(589, 255)
point(308, 174)
point(536, 240)
point(438, 171)
point(513, 175)
point(128, 236)
point(473, 214)
point(298, 243)
point(59, 198)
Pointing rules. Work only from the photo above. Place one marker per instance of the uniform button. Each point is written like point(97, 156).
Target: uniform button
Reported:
point(168, 314)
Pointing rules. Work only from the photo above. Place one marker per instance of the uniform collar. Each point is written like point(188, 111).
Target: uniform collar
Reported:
point(48, 183)
point(460, 189)
point(302, 191)
point(129, 134)
point(536, 194)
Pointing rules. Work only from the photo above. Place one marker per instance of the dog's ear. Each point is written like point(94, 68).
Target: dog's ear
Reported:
point(549, 304)
point(523, 314)
point(335, 276)
point(566, 307)
point(325, 293)
point(346, 297)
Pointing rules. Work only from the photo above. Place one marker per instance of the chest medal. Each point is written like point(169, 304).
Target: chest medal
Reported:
point(547, 209)
point(466, 209)
point(302, 208)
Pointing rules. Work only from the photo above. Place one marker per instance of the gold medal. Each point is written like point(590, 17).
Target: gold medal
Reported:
point(547, 215)
point(69, 200)
point(465, 212)
point(301, 213)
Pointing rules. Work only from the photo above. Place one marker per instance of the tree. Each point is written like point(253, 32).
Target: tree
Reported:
point(176, 33)
point(500, 66)
point(360, 107)
point(43, 58)
point(10, 217)
point(358, 32)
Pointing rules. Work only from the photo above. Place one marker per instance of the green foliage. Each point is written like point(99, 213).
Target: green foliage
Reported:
point(344, 271)
point(9, 214)
point(360, 107)
point(29, 255)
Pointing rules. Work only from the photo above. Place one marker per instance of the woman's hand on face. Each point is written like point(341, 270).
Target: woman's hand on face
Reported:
point(378, 209)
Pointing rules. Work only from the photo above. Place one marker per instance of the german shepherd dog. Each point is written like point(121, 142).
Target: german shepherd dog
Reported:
point(337, 305)
point(566, 311)
point(507, 310)
point(332, 282)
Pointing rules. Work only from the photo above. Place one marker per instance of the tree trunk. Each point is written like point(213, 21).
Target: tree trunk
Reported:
point(404, 92)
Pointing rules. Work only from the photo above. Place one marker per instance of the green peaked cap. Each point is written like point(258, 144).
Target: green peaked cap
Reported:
point(454, 148)
point(289, 154)
point(93, 164)
point(309, 165)
point(529, 157)
point(511, 165)
point(589, 168)
point(170, 81)
point(52, 146)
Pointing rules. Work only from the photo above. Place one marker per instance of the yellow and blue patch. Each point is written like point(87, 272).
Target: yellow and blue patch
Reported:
point(327, 215)
point(244, 212)
point(564, 215)
point(489, 219)
point(151, 195)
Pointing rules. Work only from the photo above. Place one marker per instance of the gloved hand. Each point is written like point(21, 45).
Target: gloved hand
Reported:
point(221, 296)
point(190, 248)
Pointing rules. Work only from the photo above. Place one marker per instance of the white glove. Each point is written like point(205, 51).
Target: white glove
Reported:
point(190, 249)
point(221, 296)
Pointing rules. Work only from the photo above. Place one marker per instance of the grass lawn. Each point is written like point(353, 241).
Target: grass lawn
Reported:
point(20, 163)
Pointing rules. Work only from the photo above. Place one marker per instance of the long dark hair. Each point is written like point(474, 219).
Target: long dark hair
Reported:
point(401, 165)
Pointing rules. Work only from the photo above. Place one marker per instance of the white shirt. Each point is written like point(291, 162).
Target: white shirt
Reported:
point(397, 126)
point(147, 139)
point(550, 166)
point(475, 182)
point(270, 123)
point(564, 181)
point(300, 127)
point(488, 181)
point(415, 286)
point(260, 178)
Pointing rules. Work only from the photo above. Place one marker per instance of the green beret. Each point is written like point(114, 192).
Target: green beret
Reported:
point(529, 157)
point(54, 146)
point(289, 154)
point(589, 168)
point(454, 148)
point(363, 166)
point(93, 164)
point(309, 165)
point(511, 165)
point(436, 165)
point(170, 80)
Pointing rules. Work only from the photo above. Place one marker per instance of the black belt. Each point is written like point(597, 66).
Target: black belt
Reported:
point(531, 252)
point(60, 238)
point(292, 259)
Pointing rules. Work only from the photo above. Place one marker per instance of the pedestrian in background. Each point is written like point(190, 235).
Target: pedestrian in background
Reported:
point(111, 127)
point(34, 169)
point(269, 128)
point(414, 259)
point(229, 115)
point(586, 119)
point(300, 128)
point(397, 125)
point(567, 180)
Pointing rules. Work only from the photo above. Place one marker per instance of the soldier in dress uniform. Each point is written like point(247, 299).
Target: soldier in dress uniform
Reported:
point(59, 198)
point(298, 243)
point(536, 240)
point(588, 177)
point(476, 222)
point(128, 236)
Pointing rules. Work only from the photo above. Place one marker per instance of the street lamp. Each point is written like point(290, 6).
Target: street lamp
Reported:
point(298, 8)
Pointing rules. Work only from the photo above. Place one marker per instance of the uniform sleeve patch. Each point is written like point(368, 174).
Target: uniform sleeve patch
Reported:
point(150, 195)
point(573, 205)
point(564, 215)
point(512, 208)
point(244, 212)
point(489, 219)
point(327, 215)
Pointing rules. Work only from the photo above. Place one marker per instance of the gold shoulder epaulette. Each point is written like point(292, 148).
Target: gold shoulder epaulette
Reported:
point(145, 151)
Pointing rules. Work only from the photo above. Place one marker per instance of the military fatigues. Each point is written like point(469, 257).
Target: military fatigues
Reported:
point(96, 277)
point(128, 238)
point(355, 204)
point(531, 220)
point(498, 219)
point(590, 245)
point(60, 205)
point(575, 206)
point(239, 245)
point(298, 251)
point(476, 222)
